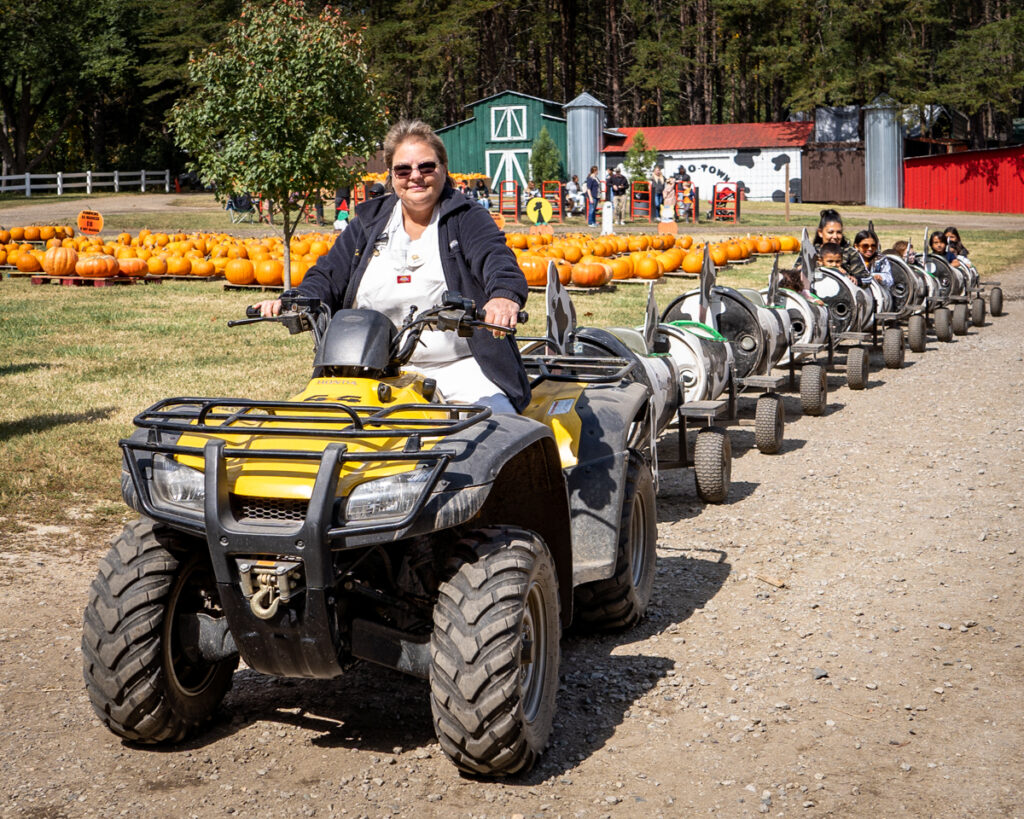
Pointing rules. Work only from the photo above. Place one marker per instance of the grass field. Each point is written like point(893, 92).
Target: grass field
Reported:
point(77, 363)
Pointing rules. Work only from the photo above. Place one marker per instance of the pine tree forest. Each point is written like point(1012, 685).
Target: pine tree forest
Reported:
point(88, 83)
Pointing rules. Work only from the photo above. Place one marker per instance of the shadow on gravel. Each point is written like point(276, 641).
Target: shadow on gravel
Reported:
point(41, 423)
point(381, 711)
point(743, 440)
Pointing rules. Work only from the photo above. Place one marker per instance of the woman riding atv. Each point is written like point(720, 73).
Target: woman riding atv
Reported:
point(407, 248)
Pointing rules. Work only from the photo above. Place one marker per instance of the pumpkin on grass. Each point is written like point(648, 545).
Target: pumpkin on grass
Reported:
point(60, 261)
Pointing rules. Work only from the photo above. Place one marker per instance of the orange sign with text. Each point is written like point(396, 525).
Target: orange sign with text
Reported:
point(89, 221)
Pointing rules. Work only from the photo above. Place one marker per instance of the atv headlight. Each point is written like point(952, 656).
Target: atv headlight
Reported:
point(175, 485)
point(384, 498)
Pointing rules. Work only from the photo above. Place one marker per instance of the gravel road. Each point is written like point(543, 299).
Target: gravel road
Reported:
point(842, 638)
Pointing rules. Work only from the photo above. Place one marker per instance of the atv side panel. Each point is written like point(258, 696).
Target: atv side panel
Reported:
point(597, 483)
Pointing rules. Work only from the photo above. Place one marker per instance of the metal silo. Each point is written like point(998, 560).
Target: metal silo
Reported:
point(883, 154)
point(584, 125)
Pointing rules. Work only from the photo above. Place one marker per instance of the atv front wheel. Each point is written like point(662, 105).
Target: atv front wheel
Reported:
point(145, 682)
point(494, 652)
point(620, 601)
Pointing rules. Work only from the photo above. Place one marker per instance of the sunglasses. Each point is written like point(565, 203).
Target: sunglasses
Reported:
point(868, 245)
point(405, 171)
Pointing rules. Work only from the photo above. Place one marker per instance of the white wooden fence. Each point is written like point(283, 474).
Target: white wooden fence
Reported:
point(62, 183)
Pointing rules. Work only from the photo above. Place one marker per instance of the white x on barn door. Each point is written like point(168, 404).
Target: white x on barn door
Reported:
point(502, 165)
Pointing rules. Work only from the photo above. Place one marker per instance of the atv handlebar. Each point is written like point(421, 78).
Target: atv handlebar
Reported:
point(300, 313)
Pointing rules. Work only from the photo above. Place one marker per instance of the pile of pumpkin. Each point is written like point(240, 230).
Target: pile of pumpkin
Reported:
point(240, 261)
point(586, 261)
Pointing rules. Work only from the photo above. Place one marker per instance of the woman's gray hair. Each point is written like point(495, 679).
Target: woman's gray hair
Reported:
point(413, 129)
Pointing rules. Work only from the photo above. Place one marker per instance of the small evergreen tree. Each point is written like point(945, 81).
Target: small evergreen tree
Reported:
point(545, 158)
point(639, 158)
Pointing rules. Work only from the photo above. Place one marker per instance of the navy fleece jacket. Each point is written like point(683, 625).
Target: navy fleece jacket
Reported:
point(476, 262)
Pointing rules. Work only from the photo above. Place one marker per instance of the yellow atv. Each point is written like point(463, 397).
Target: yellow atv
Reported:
point(367, 519)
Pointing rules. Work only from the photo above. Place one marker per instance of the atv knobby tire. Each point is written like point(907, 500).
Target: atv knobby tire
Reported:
point(494, 652)
point(142, 683)
point(620, 601)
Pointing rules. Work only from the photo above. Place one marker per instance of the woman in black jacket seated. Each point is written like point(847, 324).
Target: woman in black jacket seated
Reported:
point(407, 248)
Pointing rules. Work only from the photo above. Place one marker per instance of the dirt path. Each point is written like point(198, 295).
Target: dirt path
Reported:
point(843, 638)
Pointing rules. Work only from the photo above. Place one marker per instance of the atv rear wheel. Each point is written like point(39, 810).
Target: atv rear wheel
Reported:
point(620, 601)
point(494, 652)
point(144, 682)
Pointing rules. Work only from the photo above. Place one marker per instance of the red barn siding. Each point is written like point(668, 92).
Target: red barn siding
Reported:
point(982, 181)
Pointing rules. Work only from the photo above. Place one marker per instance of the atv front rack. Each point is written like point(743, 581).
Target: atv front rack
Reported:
point(338, 425)
point(306, 419)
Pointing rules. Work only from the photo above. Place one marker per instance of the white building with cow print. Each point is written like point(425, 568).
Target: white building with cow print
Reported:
point(754, 154)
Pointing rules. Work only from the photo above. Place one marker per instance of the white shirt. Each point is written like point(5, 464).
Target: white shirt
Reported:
point(403, 272)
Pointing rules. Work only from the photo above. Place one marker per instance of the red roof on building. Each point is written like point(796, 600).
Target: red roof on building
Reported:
point(715, 137)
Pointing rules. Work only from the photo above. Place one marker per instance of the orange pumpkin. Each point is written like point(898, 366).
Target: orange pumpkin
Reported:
point(5, 236)
point(270, 272)
point(535, 269)
point(132, 267)
point(648, 268)
point(28, 263)
point(203, 267)
point(156, 266)
point(32, 233)
point(693, 262)
point(239, 271)
point(622, 268)
point(46, 232)
point(178, 266)
point(60, 261)
point(591, 274)
point(100, 266)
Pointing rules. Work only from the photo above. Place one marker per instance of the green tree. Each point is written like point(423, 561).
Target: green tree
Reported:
point(283, 108)
point(639, 158)
point(545, 158)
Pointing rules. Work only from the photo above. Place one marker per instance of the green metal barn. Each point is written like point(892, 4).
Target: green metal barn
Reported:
point(497, 137)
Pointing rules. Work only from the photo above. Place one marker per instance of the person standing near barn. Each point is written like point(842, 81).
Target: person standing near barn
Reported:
point(657, 188)
point(593, 196)
point(619, 186)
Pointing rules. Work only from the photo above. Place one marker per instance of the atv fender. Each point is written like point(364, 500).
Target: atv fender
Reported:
point(597, 483)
